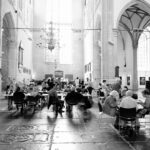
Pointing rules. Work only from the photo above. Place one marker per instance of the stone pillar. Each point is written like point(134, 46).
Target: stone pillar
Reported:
point(104, 39)
point(115, 52)
point(134, 70)
point(13, 58)
point(0, 50)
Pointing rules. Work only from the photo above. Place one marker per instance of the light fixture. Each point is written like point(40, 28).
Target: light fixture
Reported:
point(49, 37)
point(50, 34)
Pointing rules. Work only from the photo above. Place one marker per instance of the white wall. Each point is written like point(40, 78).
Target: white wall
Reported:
point(119, 9)
point(40, 67)
point(21, 35)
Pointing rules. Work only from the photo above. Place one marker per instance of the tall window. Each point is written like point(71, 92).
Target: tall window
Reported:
point(60, 13)
point(144, 51)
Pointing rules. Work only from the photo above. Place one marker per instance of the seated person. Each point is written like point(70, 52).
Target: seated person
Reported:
point(110, 103)
point(101, 93)
point(73, 97)
point(86, 101)
point(127, 102)
point(123, 91)
point(67, 88)
point(146, 104)
point(19, 97)
point(84, 89)
point(79, 90)
point(117, 85)
point(18, 94)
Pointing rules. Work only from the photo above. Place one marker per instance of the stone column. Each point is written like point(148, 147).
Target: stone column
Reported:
point(104, 39)
point(0, 50)
point(134, 70)
point(115, 52)
point(13, 58)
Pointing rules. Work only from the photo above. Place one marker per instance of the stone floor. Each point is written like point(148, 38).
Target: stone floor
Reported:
point(77, 131)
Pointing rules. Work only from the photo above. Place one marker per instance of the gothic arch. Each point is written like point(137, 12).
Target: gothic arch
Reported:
point(132, 20)
point(142, 2)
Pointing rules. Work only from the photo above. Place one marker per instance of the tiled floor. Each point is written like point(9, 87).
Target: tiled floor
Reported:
point(79, 131)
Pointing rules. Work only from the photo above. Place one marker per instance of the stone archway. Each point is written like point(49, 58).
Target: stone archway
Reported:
point(132, 22)
point(8, 47)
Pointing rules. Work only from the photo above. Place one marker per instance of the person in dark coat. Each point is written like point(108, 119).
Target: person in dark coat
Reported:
point(18, 94)
point(18, 97)
point(72, 98)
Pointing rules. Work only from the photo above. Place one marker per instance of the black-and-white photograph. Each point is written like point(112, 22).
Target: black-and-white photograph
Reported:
point(74, 74)
point(128, 80)
point(142, 81)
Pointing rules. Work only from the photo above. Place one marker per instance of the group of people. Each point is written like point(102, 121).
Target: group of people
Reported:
point(125, 99)
point(74, 96)
point(112, 98)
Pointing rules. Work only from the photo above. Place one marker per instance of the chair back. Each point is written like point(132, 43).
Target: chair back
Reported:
point(73, 98)
point(127, 113)
point(18, 97)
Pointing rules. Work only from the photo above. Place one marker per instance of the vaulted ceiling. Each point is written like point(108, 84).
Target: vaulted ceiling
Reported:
point(134, 20)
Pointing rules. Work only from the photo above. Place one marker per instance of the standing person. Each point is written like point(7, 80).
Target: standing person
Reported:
point(117, 86)
point(105, 88)
point(98, 90)
point(101, 99)
point(104, 85)
point(90, 88)
point(53, 99)
point(77, 82)
point(123, 91)
point(50, 83)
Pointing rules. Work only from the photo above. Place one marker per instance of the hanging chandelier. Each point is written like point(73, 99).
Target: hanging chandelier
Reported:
point(49, 37)
point(51, 41)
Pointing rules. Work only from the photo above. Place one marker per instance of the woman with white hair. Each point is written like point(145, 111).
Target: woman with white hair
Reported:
point(110, 104)
point(128, 101)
